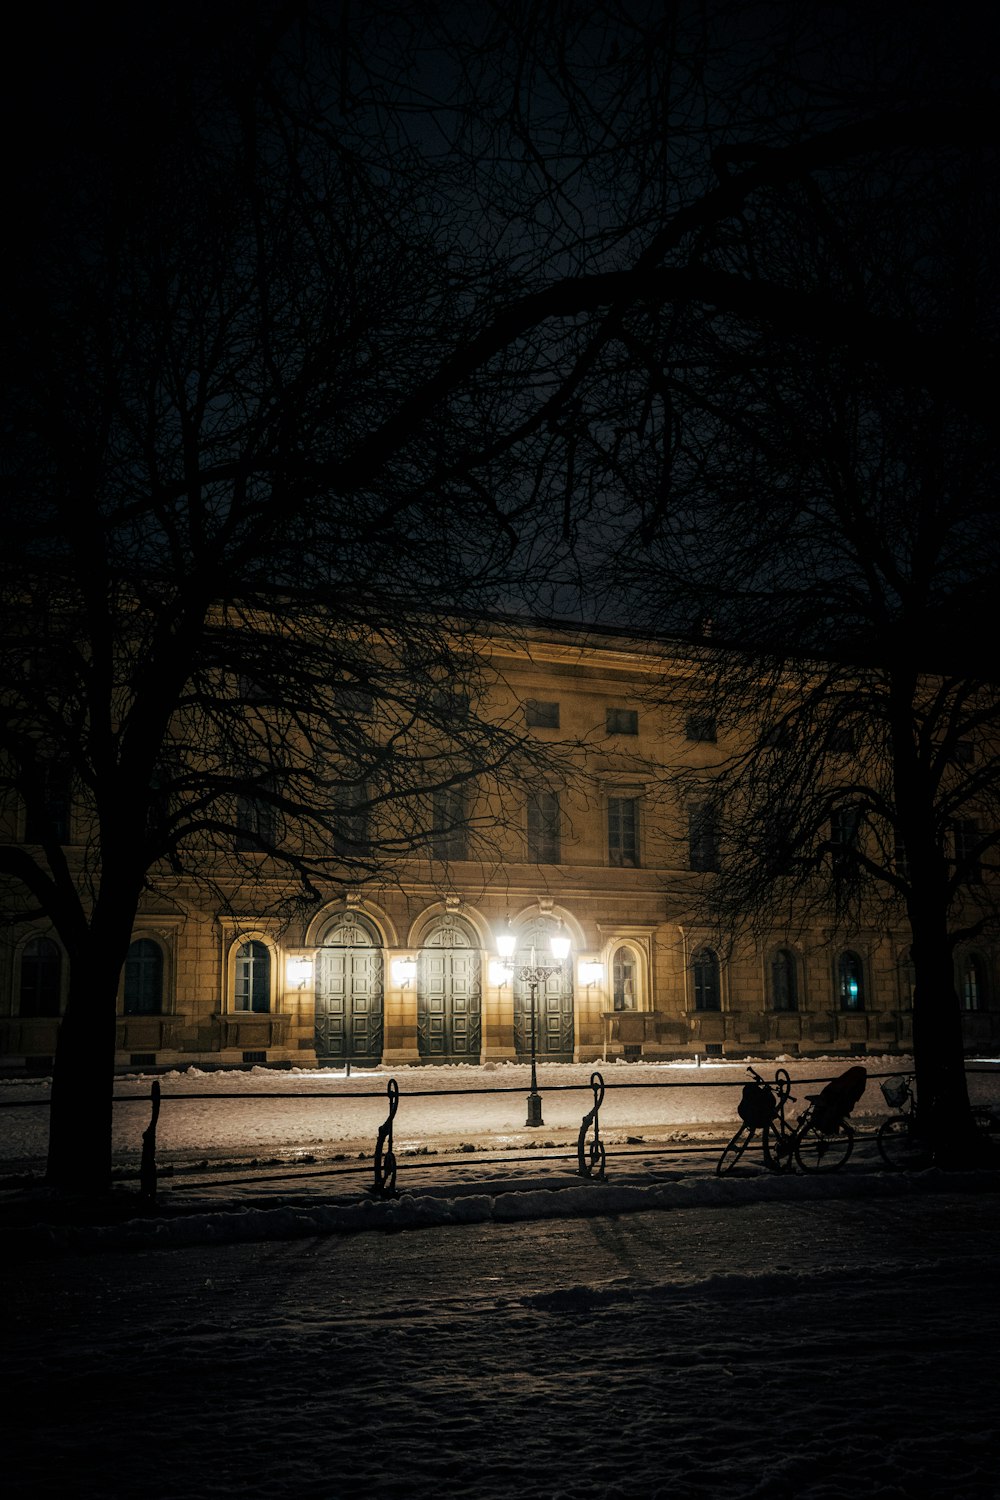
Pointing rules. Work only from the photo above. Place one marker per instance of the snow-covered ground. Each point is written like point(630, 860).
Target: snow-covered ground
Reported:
point(664, 1333)
point(781, 1341)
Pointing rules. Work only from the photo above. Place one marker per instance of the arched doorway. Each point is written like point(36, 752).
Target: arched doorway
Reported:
point(449, 994)
point(349, 992)
point(554, 1024)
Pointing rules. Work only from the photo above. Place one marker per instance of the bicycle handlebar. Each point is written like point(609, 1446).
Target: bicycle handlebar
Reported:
point(782, 1085)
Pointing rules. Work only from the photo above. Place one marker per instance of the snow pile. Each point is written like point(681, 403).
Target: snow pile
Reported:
point(290, 1220)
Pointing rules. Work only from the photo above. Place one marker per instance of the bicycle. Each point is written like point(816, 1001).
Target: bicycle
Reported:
point(820, 1140)
point(900, 1143)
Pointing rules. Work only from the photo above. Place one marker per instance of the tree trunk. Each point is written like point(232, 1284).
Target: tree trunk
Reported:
point(80, 1122)
point(938, 1048)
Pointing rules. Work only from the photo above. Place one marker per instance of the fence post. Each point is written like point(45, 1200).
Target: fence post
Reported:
point(597, 1157)
point(385, 1161)
point(147, 1166)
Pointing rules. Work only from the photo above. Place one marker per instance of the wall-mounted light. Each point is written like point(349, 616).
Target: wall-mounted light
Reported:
point(404, 971)
point(506, 942)
point(591, 973)
point(299, 970)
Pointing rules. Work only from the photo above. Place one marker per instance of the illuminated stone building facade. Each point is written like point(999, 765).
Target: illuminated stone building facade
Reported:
point(405, 969)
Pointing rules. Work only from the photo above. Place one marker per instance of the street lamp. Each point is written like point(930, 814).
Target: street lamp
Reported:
point(533, 975)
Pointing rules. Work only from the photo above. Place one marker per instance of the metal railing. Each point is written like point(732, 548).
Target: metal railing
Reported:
point(591, 1155)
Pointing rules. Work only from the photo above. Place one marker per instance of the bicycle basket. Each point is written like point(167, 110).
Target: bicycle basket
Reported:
point(757, 1106)
point(895, 1091)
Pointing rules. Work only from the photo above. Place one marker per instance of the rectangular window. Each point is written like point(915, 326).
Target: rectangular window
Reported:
point(703, 838)
point(256, 825)
point(701, 728)
point(777, 737)
point(539, 715)
point(450, 832)
point(621, 720)
point(965, 833)
point(900, 857)
point(351, 822)
point(842, 739)
point(543, 828)
point(623, 831)
point(353, 703)
point(47, 813)
point(844, 825)
point(451, 703)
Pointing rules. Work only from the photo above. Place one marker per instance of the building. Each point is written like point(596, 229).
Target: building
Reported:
point(406, 969)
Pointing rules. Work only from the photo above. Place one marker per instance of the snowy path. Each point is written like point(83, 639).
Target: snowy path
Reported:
point(202, 1117)
point(793, 1350)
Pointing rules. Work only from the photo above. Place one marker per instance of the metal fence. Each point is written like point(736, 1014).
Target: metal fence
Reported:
point(590, 1156)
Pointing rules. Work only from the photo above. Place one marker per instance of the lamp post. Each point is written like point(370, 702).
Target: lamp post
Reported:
point(533, 975)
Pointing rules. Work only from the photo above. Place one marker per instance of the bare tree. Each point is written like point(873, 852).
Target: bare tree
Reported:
point(245, 559)
point(828, 518)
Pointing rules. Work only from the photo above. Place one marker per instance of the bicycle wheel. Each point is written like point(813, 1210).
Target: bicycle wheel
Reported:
point(734, 1150)
point(899, 1148)
point(817, 1152)
point(779, 1148)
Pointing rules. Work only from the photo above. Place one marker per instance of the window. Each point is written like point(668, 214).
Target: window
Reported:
point(900, 857)
point(253, 692)
point(703, 850)
point(47, 811)
point(784, 987)
point(850, 982)
point(541, 715)
point(253, 978)
point(143, 991)
point(965, 833)
point(41, 977)
point(842, 739)
point(845, 824)
point(452, 703)
point(543, 828)
point(777, 737)
point(623, 831)
point(351, 822)
point(449, 832)
point(623, 979)
point(779, 850)
point(702, 728)
point(906, 979)
point(973, 983)
point(705, 967)
point(256, 825)
point(621, 720)
point(353, 701)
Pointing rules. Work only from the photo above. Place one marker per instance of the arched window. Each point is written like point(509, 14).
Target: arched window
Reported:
point(143, 989)
point(850, 982)
point(41, 977)
point(973, 983)
point(253, 977)
point(707, 995)
point(623, 979)
point(784, 985)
